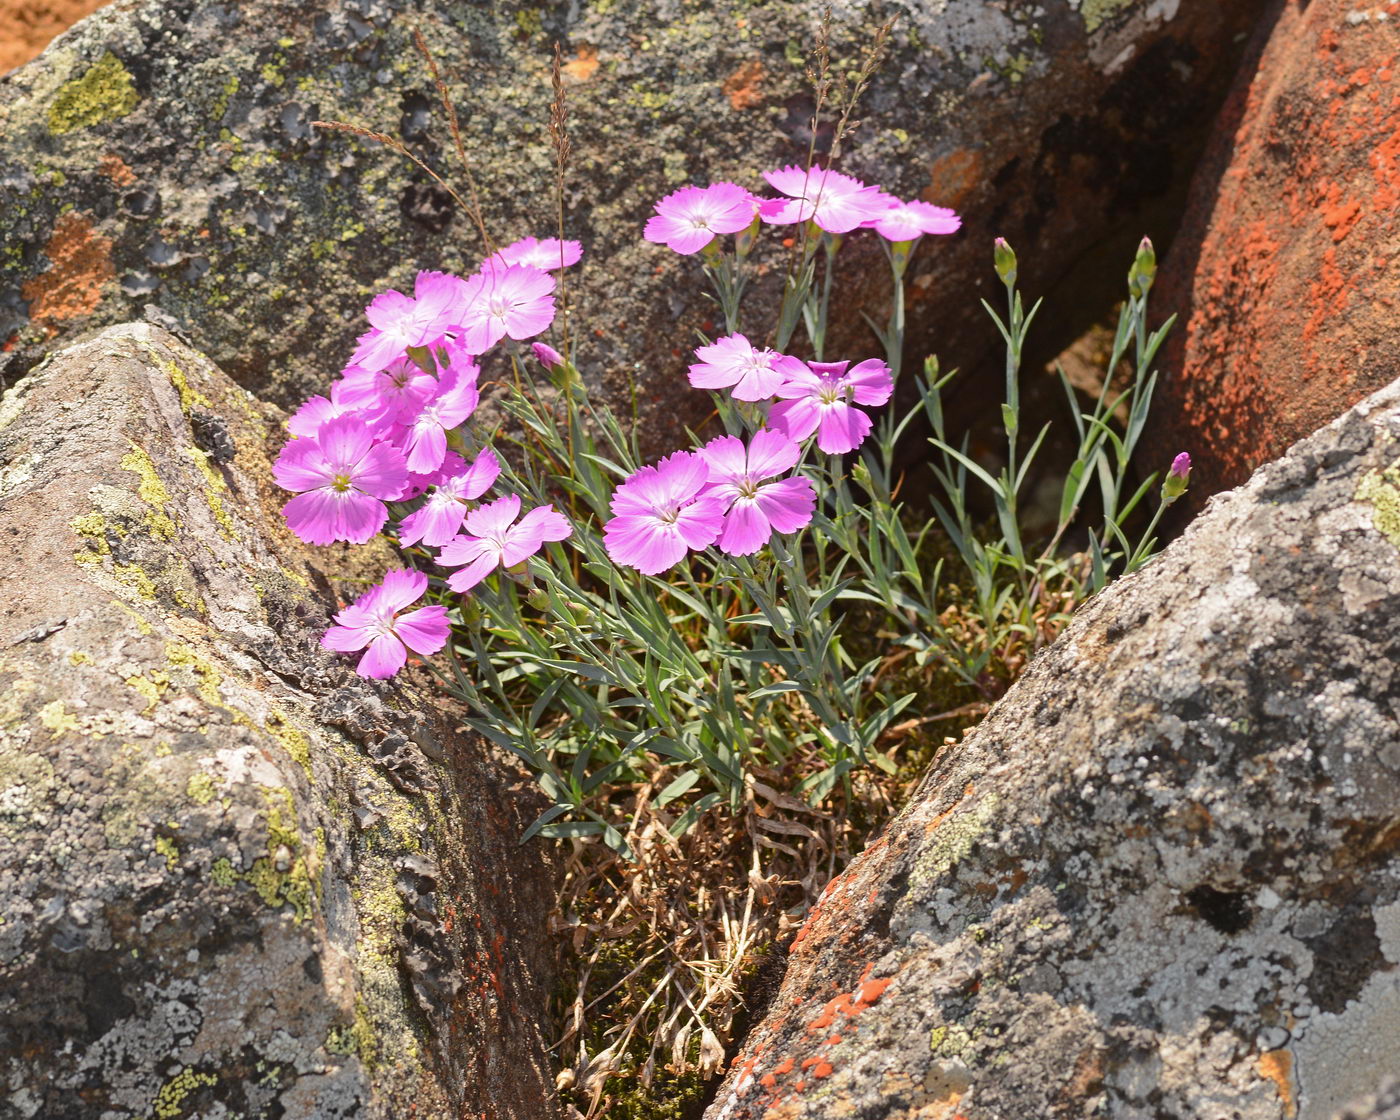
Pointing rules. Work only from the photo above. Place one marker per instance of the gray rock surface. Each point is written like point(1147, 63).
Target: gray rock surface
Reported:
point(235, 879)
point(163, 152)
point(1162, 878)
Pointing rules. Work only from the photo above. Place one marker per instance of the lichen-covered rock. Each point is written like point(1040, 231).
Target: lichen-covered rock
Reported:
point(1284, 269)
point(1162, 878)
point(164, 153)
point(235, 879)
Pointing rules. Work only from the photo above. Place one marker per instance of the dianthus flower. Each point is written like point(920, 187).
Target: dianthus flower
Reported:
point(515, 300)
point(818, 399)
point(546, 255)
point(344, 476)
point(401, 321)
point(660, 514)
point(546, 355)
point(689, 219)
point(756, 508)
point(836, 202)
point(492, 539)
point(732, 361)
point(439, 518)
point(906, 221)
point(306, 421)
point(394, 393)
point(373, 620)
point(424, 442)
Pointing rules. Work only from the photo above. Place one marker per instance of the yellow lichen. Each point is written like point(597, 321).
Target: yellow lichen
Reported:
point(151, 688)
point(181, 656)
point(1381, 491)
point(152, 491)
point(215, 485)
point(170, 1101)
point(53, 716)
point(78, 657)
point(167, 847)
point(293, 741)
point(104, 92)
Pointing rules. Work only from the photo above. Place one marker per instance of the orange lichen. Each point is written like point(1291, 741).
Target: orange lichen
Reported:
point(115, 168)
point(80, 264)
point(1277, 1066)
point(954, 177)
point(742, 86)
point(584, 65)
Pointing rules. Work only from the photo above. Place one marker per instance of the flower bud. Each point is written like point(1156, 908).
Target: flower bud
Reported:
point(1144, 270)
point(546, 355)
point(1174, 485)
point(746, 239)
point(1004, 257)
point(861, 474)
point(538, 599)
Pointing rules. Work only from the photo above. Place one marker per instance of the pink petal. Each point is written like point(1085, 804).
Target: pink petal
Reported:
point(725, 458)
point(771, 452)
point(345, 639)
point(843, 428)
point(798, 418)
point(473, 573)
point(344, 441)
point(745, 530)
point(400, 587)
point(788, 504)
point(547, 523)
point(301, 466)
point(480, 476)
point(435, 524)
point(314, 516)
point(493, 517)
point(382, 472)
point(871, 382)
point(385, 657)
point(424, 630)
point(361, 516)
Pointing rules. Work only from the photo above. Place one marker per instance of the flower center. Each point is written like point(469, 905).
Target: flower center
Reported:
point(499, 307)
point(829, 394)
point(341, 483)
point(747, 487)
point(699, 223)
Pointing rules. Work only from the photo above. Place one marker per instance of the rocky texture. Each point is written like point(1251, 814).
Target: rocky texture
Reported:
point(1162, 879)
point(235, 879)
point(163, 152)
point(1284, 271)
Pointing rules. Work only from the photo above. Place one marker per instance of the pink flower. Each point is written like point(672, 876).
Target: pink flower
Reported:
point(394, 393)
point(818, 399)
point(515, 300)
point(441, 515)
point(425, 441)
point(400, 321)
point(492, 540)
point(836, 202)
point(546, 255)
point(732, 361)
point(688, 219)
point(660, 514)
point(373, 620)
point(755, 508)
point(343, 476)
point(546, 355)
point(306, 421)
point(905, 221)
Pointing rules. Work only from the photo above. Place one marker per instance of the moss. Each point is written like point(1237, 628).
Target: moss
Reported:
point(104, 92)
point(1381, 491)
point(167, 847)
point(170, 1101)
point(200, 789)
point(56, 718)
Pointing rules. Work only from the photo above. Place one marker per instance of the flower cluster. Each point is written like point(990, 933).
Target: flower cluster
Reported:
point(386, 433)
point(386, 443)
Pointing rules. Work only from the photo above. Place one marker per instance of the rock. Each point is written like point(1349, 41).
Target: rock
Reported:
point(234, 878)
point(1283, 272)
point(165, 154)
point(1162, 878)
point(1384, 1104)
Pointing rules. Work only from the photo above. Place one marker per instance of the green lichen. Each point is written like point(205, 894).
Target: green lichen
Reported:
point(952, 840)
point(180, 656)
point(293, 741)
point(215, 484)
point(167, 847)
point(1098, 12)
point(170, 1101)
point(277, 886)
point(151, 490)
point(200, 790)
point(220, 106)
point(222, 873)
point(104, 92)
point(1381, 491)
point(356, 1038)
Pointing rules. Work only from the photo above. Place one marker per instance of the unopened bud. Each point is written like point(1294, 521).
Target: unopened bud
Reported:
point(1174, 485)
point(746, 239)
point(861, 474)
point(1144, 270)
point(546, 355)
point(1004, 257)
point(538, 599)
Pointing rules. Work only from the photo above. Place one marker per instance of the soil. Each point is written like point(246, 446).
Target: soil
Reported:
point(28, 26)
